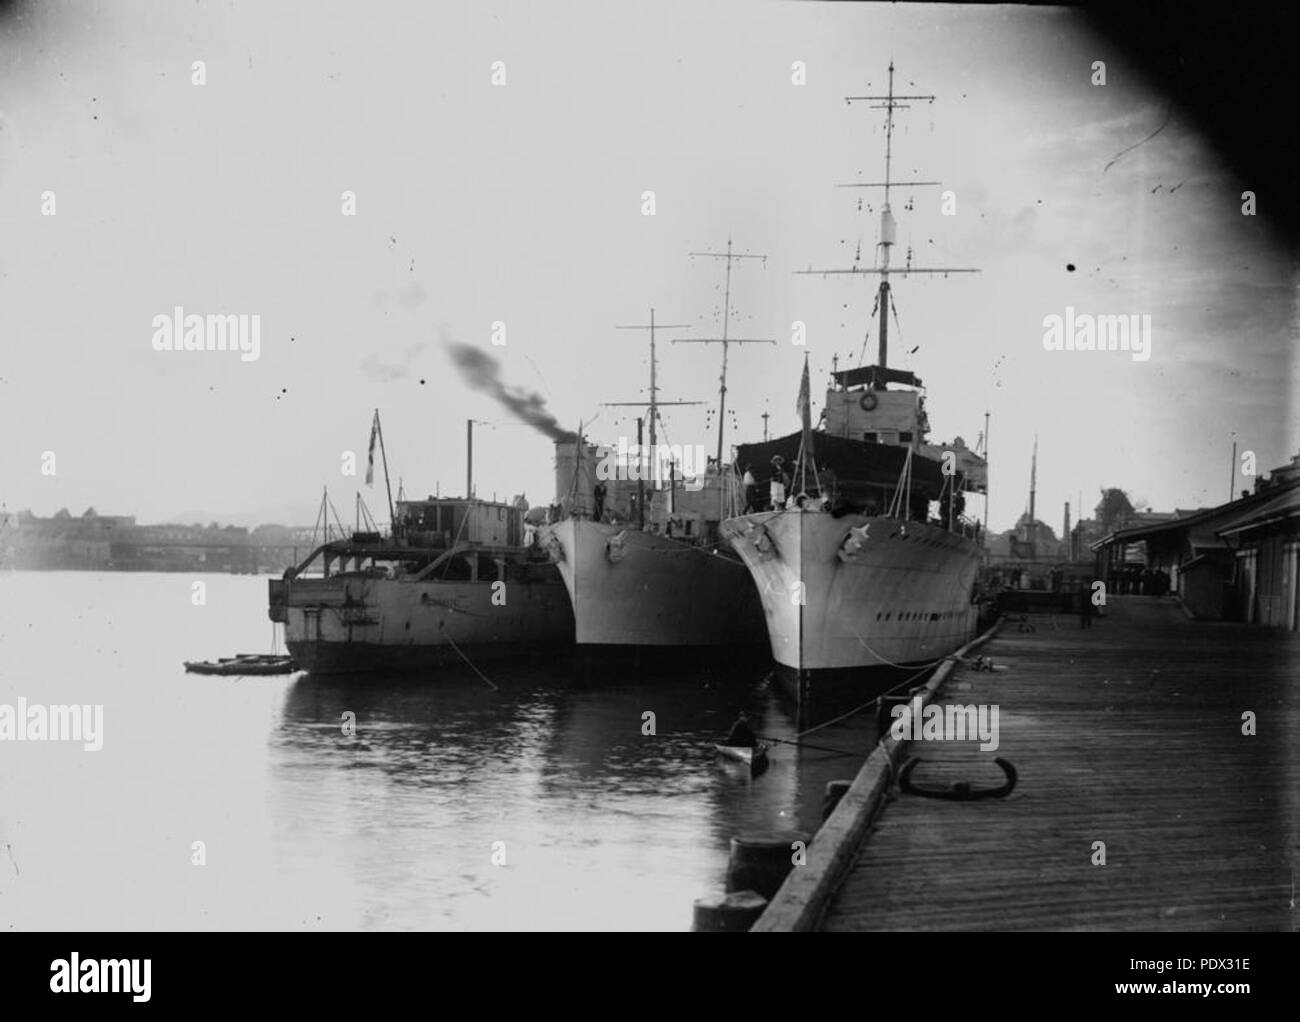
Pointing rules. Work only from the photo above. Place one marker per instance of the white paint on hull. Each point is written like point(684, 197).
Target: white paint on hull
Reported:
point(900, 595)
point(649, 590)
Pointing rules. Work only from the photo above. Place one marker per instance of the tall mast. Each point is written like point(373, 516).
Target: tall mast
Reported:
point(469, 459)
point(1033, 494)
point(1232, 469)
point(654, 386)
point(985, 445)
point(888, 226)
point(725, 339)
point(392, 517)
point(654, 404)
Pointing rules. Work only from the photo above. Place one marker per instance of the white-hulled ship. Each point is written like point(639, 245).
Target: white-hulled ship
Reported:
point(670, 581)
point(644, 564)
point(855, 571)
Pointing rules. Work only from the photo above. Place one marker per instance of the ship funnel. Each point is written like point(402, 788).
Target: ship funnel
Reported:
point(575, 475)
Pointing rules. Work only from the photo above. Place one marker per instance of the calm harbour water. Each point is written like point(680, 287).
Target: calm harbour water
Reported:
point(603, 827)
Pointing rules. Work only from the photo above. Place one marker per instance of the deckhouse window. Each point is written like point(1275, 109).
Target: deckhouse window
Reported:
point(870, 438)
point(905, 437)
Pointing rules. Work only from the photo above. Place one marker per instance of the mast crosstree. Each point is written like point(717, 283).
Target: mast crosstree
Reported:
point(654, 404)
point(725, 339)
point(888, 226)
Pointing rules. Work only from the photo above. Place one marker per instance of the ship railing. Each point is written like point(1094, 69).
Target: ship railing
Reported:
point(385, 560)
point(370, 548)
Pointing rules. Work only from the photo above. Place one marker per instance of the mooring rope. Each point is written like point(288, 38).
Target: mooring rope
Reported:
point(888, 663)
point(806, 745)
point(836, 720)
point(467, 660)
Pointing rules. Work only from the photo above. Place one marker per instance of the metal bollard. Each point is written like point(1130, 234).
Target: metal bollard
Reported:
point(728, 913)
point(760, 861)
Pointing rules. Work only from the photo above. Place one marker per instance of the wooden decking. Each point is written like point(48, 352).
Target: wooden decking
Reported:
point(1128, 733)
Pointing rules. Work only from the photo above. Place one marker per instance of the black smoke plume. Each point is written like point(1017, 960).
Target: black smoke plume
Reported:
point(483, 372)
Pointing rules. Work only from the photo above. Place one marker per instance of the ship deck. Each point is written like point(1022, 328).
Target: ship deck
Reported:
point(1129, 733)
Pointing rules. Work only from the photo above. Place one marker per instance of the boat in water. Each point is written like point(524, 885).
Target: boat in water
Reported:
point(456, 580)
point(244, 664)
point(455, 583)
point(868, 561)
point(636, 540)
point(753, 758)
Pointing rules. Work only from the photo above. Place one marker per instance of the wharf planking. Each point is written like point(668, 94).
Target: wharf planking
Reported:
point(1129, 733)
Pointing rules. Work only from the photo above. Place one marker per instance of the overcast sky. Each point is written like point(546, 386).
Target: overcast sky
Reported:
point(522, 203)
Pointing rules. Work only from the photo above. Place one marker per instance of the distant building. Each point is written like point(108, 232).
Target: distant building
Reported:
point(1027, 542)
point(62, 541)
point(1086, 531)
point(1238, 561)
point(116, 543)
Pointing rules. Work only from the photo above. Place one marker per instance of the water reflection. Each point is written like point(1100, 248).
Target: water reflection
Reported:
point(394, 828)
point(600, 824)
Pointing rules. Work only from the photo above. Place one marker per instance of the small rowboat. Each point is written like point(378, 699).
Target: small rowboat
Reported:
point(245, 663)
point(755, 758)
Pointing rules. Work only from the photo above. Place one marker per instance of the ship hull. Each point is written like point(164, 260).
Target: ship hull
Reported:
point(857, 593)
point(633, 588)
point(353, 623)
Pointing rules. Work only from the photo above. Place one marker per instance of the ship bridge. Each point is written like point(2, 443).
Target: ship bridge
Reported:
point(445, 521)
point(860, 407)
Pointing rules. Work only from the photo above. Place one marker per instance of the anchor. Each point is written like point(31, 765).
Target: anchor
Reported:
point(962, 790)
point(853, 541)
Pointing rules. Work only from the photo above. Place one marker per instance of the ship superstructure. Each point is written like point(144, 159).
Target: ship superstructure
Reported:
point(864, 556)
point(636, 540)
point(455, 580)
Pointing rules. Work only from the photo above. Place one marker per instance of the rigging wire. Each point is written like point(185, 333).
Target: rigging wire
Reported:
point(866, 337)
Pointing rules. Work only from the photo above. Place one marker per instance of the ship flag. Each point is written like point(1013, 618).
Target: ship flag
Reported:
point(803, 405)
point(370, 463)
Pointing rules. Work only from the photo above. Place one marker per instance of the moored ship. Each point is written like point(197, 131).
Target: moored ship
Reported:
point(854, 567)
point(636, 541)
point(669, 581)
point(455, 581)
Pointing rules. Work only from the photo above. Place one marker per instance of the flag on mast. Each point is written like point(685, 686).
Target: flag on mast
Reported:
point(803, 405)
point(374, 435)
